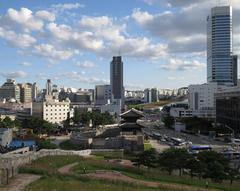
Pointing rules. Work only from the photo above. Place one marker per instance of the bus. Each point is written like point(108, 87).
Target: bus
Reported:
point(194, 149)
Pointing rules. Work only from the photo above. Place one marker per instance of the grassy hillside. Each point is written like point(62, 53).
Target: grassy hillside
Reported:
point(76, 180)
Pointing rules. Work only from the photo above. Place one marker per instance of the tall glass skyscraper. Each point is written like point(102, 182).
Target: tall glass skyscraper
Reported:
point(116, 79)
point(221, 63)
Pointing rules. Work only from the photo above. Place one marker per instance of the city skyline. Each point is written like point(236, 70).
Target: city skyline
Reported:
point(72, 42)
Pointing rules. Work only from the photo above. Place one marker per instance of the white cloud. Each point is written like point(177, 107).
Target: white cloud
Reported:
point(45, 15)
point(182, 65)
point(142, 17)
point(105, 38)
point(78, 77)
point(17, 74)
point(22, 19)
point(26, 64)
point(67, 6)
point(49, 51)
point(95, 22)
point(184, 28)
point(86, 64)
point(18, 40)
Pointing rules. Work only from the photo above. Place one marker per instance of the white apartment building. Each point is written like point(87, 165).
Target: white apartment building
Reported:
point(202, 99)
point(52, 110)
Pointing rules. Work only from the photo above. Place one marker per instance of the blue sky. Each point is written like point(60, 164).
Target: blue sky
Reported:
point(162, 42)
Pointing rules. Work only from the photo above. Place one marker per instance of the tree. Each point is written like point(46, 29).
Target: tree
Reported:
point(167, 160)
point(172, 159)
point(46, 144)
point(195, 166)
point(7, 122)
point(39, 126)
point(233, 174)
point(216, 166)
point(147, 158)
point(196, 124)
point(168, 121)
point(182, 156)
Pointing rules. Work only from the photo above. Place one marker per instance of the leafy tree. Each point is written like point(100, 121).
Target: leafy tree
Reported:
point(39, 126)
point(97, 118)
point(196, 124)
point(195, 166)
point(147, 158)
point(182, 156)
point(7, 123)
point(46, 144)
point(81, 117)
point(173, 158)
point(167, 160)
point(168, 121)
point(233, 174)
point(216, 166)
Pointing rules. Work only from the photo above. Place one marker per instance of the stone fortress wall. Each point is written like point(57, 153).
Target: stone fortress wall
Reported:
point(9, 163)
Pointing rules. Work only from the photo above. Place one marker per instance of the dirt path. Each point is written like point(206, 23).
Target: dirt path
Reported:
point(116, 176)
point(19, 182)
point(66, 169)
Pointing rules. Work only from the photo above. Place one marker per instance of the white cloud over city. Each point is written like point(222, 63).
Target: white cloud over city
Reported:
point(174, 37)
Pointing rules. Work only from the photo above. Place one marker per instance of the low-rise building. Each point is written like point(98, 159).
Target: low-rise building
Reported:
point(180, 112)
point(52, 110)
point(113, 109)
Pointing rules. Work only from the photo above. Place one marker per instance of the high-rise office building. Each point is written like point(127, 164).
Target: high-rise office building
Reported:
point(116, 79)
point(25, 93)
point(10, 90)
point(221, 63)
point(48, 88)
point(34, 91)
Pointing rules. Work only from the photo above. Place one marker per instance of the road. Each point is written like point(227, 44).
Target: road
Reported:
point(157, 128)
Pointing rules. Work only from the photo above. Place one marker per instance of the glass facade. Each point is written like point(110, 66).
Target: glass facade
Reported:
point(220, 67)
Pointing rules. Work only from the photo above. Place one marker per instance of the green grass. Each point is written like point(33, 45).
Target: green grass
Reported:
point(150, 105)
point(147, 145)
point(82, 184)
point(109, 155)
point(48, 167)
point(156, 175)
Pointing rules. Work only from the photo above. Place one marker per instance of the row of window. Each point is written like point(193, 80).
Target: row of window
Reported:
point(57, 113)
point(57, 105)
point(55, 118)
point(58, 110)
